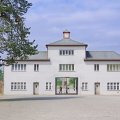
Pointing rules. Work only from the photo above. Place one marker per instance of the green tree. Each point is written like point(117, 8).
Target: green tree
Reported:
point(1, 75)
point(14, 40)
point(59, 82)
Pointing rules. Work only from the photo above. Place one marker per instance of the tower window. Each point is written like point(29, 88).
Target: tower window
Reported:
point(66, 52)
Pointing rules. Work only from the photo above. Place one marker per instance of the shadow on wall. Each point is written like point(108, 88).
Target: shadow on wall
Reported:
point(1, 87)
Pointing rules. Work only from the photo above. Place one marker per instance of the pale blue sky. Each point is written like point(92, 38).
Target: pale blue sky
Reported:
point(94, 22)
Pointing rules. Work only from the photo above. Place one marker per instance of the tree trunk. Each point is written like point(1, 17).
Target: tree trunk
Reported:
point(1, 87)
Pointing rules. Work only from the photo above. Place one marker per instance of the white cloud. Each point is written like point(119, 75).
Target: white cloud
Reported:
point(113, 33)
point(87, 19)
point(77, 16)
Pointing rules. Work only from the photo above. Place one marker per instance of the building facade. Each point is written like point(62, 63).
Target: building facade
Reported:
point(65, 68)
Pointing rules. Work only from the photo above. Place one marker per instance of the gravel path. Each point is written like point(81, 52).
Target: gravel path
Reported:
point(60, 108)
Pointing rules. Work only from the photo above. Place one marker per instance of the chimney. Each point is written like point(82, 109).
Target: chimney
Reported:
point(66, 34)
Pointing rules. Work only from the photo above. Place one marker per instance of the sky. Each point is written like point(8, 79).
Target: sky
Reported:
point(94, 22)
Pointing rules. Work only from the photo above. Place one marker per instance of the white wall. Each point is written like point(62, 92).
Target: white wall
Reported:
point(49, 70)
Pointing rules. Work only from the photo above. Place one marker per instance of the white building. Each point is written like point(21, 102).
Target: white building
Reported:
point(65, 68)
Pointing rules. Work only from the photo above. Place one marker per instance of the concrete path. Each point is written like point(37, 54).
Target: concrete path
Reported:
point(59, 107)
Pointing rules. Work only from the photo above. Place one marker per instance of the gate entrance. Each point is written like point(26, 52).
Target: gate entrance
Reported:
point(66, 85)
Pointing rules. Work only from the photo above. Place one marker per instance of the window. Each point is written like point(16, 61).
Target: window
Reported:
point(113, 67)
point(24, 85)
point(36, 67)
point(66, 67)
point(21, 67)
point(12, 84)
point(108, 86)
point(18, 67)
point(96, 67)
point(118, 84)
point(112, 86)
point(21, 85)
point(48, 86)
point(18, 85)
point(66, 52)
point(24, 66)
point(84, 86)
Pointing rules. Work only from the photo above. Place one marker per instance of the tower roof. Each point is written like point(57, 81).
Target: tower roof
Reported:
point(66, 41)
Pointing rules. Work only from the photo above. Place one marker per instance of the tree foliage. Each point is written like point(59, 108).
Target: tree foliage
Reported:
point(1, 75)
point(13, 33)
